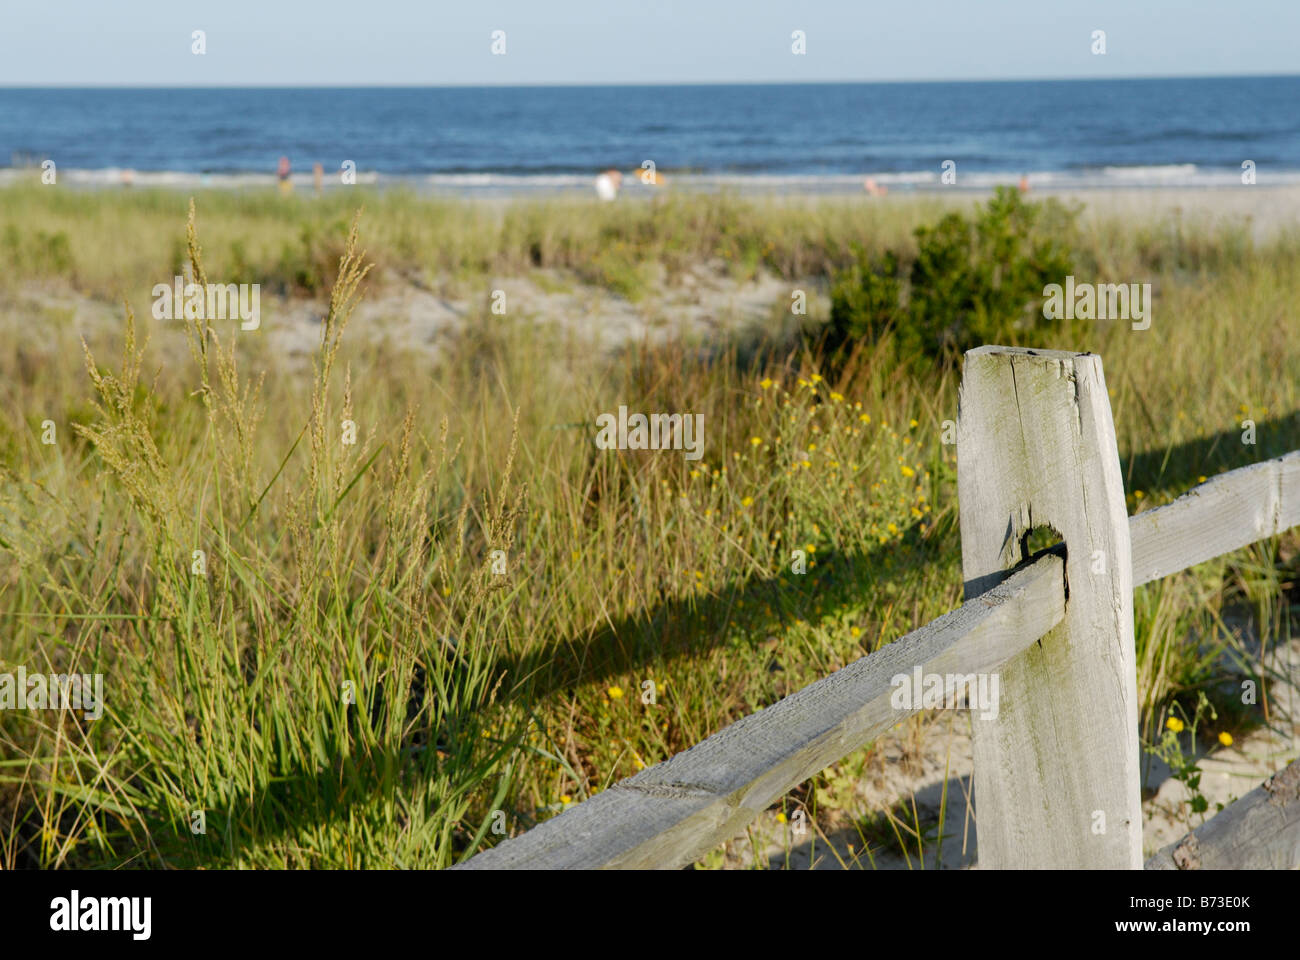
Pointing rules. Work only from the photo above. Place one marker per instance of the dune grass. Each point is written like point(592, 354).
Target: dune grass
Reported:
point(112, 244)
point(473, 609)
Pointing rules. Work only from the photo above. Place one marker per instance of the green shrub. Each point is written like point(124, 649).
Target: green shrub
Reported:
point(970, 282)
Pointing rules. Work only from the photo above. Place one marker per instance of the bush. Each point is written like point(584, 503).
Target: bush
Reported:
point(972, 281)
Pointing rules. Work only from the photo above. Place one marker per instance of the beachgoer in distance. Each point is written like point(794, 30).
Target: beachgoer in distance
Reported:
point(608, 184)
point(874, 189)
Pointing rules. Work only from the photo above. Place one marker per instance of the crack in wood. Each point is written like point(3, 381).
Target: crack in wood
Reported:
point(670, 791)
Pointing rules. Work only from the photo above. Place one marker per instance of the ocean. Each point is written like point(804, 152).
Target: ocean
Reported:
point(805, 137)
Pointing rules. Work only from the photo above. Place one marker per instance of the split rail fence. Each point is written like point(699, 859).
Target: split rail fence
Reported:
point(1036, 447)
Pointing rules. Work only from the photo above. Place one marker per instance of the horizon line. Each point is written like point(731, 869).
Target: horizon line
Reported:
point(629, 83)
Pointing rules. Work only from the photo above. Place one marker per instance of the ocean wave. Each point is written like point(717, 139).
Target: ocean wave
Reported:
point(1168, 171)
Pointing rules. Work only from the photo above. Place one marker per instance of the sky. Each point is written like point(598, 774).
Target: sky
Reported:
point(434, 42)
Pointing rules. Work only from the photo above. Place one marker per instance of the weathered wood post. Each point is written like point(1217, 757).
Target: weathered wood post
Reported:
point(1057, 769)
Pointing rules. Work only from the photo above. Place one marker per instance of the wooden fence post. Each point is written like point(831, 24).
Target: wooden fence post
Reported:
point(1057, 768)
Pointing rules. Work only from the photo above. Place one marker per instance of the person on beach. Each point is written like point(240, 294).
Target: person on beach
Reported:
point(874, 189)
point(282, 171)
point(317, 177)
point(608, 184)
point(1024, 183)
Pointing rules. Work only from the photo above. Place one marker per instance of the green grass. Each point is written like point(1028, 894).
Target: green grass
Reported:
point(371, 565)
point(292, 244)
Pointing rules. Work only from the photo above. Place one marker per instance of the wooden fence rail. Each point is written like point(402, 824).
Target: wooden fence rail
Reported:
point(1056, 778)
point(1261, 831)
